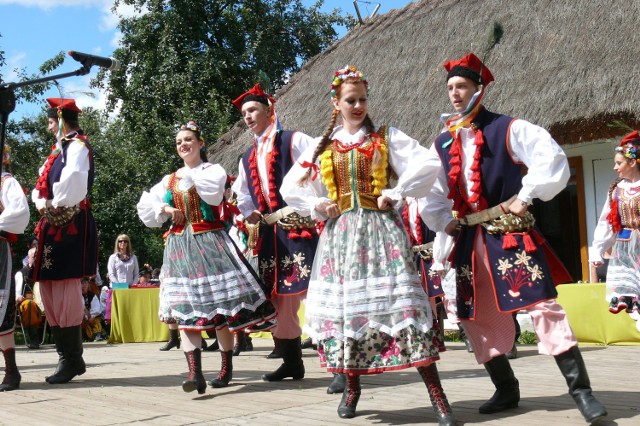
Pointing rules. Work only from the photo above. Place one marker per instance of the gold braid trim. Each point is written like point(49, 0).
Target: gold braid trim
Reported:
point(326, 172)
point(380, 164)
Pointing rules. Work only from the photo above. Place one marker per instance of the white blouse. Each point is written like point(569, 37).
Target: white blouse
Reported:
point(72, 186)
point(15, 216)
point(209, 180)
point(120, 271)
point(547, 174)
point(415, 166)
point(299, 143)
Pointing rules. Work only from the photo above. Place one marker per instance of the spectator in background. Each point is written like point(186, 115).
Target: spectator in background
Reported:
point(91, 321)
point(144, 280)
point(123, 263)
point(31, 315)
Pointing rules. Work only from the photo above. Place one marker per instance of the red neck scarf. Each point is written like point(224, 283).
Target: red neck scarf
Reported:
point(41, 185)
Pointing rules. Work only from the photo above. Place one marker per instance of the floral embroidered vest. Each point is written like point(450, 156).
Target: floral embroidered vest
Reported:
point(201, 216)
point(355, 175)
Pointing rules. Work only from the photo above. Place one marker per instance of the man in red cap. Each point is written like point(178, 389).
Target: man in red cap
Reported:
point(286, 243)
point(67, 236)
point(503, 263)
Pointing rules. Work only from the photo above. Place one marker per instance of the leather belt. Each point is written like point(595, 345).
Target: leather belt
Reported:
point(487, 214)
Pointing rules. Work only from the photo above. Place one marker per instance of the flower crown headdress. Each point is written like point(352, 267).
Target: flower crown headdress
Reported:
point(349, 71)
point(628, 146)
point(191, 125)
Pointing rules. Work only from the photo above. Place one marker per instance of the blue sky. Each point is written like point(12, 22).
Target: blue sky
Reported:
point(35, 30)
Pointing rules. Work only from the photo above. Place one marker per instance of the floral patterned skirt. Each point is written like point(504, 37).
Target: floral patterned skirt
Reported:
point(365, 305)
point(206, 283)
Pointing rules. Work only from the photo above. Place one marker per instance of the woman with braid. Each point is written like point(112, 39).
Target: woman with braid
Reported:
point(618, 229)
point(365, 305)
point(206, 283)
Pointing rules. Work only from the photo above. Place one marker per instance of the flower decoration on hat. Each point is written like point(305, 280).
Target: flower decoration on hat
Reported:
point(349, 71)
point(191, 125)
point(629, 146)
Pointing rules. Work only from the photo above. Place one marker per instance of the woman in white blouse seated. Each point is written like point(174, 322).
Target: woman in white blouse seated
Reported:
point(123, 264)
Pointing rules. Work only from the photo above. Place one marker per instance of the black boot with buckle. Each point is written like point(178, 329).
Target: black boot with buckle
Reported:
point(507, 394)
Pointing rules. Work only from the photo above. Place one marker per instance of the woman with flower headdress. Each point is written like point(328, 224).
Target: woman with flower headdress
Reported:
point(366, 306)
point(14, 217)
point(205, 282)
point(618, 228)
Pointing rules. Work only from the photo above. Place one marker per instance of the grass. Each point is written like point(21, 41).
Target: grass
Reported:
point(526, 337)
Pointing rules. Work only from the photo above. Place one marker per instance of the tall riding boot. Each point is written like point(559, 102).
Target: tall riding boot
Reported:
point(226, 371)
point(338, 384)
point(575, 373)
point(293, 366)
point(195, 379)
point(277, 350)
point(174, 341)
point(34, 340)
point(350, 397)
point(57, 339)
point(507, 394)
point(12, 376)
point(73, 364)
point(441, 406)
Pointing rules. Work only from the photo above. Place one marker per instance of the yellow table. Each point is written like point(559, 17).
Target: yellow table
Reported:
point(589, 316)
point(134, 316)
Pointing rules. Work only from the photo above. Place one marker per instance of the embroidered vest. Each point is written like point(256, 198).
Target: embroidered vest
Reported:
point(283, 163)
point(60, 162)
point(201, 216)
point(350, 170)
point(628, 208)
point(500, 179)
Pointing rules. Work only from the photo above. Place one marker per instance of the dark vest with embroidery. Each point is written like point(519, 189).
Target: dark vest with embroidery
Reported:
point(70, 251)
point(520, 279)
point(284, 263)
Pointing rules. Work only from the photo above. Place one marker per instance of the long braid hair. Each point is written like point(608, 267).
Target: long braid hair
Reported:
point(326, 136)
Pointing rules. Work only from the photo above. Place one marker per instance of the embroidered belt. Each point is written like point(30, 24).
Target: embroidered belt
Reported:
point(424, 250)
point(288, 219)
point(510, 223)
point(488, 214)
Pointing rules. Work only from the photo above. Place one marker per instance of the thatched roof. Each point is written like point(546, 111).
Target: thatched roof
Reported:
point(569, 66)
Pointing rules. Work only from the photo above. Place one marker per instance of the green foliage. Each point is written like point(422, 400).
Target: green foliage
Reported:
point(183, 60)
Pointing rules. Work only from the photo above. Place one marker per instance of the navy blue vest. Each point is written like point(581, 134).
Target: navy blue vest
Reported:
point(276, 249)
point(516, 283)
point(501, 176)
point(70, 251)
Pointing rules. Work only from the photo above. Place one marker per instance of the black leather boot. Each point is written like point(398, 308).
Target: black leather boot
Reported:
point(72, 363)
point(226, 371)
point(575, 373)
point(215, 345)
point(174, 341)
point(277, 351)
point(350, 398)
point(195, 379)
point(507, 394)
point(441, 406)
point(12, 377)
point(241, 343)
point(34, 339)
point(55, 332)
point(293, 366)
point(338, 384)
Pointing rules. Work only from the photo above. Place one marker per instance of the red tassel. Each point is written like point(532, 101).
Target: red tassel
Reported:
point(293, 234)
point(614, 216)
point(529, 245)
point(305, 234)
point(71, 229)
point(509, 242)
point(58, 236)
point(320, 227)
point(52, 230)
